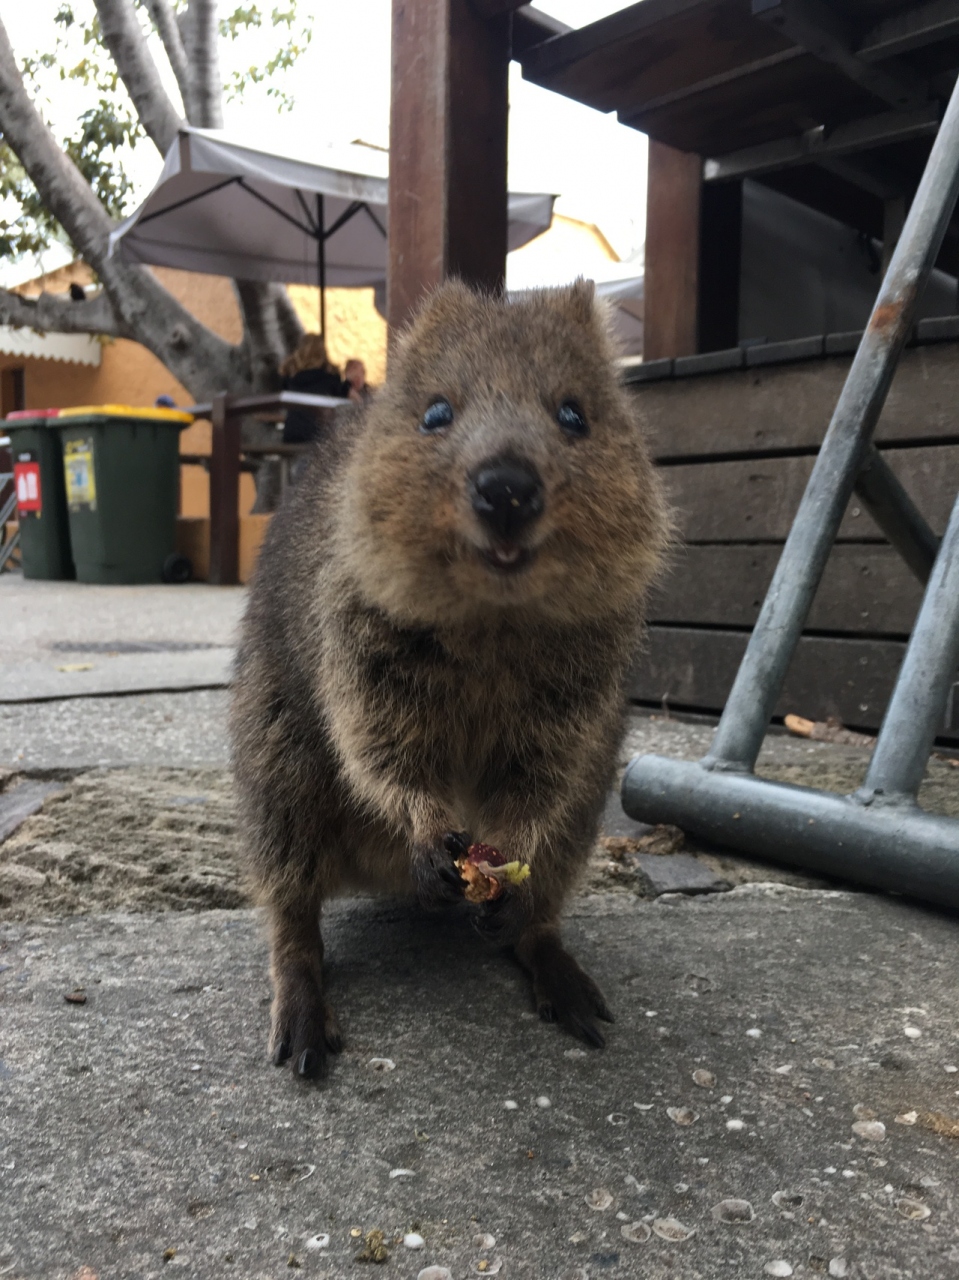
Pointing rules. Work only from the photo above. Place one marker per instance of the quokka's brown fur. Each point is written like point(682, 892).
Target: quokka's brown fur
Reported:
point(395, 685)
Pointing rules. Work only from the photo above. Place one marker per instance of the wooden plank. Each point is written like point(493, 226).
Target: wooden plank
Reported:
point(829, 35)
point(865, 589)
point(531, 27)
point(911, 28)
point(651, 49)
point(789, 406)
point(448, 125)
point(494, 8)
point(673, 200)
point(771, 102)
point(630, 27)
point(851, 679)
point(755, 500)
point(224, 495)
point(703, 77)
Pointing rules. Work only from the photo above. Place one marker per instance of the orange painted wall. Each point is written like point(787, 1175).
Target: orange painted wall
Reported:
point(129, 374)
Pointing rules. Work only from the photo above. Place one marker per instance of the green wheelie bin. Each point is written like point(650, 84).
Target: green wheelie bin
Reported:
point(41, 496)
point(121, 468)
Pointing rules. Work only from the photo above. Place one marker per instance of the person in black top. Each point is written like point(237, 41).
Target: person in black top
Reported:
point(308, 370)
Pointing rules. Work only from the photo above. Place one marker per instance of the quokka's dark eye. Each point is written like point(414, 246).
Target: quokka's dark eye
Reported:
point(571, 418)
point(438, 416)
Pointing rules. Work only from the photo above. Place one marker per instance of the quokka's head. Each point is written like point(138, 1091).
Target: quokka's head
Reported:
point(502, 467)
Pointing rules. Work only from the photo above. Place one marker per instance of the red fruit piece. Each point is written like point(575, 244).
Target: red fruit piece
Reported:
point(478, 853)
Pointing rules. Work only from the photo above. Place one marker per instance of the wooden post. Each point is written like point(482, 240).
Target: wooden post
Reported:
point(448, 125)
point(673, 200)
point(224, 495)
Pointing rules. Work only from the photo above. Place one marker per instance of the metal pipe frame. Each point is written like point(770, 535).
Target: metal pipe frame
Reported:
point(878, 836)
point(882, 494)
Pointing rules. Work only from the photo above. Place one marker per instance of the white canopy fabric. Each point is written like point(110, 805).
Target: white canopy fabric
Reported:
point(627, 297)
point(71, 348)
point(225, 208)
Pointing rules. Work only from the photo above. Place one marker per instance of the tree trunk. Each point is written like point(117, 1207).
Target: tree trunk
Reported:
point(133, 303)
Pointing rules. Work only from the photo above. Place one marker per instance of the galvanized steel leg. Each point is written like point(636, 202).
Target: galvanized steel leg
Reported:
point(777, 631)
point(881, 492)
point(928, 670)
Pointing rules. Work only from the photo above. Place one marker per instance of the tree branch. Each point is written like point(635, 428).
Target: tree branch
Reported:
point(58, 181)
point(204, 362)
point(58, 313)
point(268, 326)
point(203, 50)
point(124, 38)
point(290, 325)
point(164, 19)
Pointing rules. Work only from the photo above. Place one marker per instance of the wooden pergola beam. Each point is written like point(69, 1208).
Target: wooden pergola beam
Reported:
point(495, 8)
point(448, 127)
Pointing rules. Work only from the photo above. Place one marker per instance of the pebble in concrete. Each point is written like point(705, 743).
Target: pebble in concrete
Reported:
point(636, 1232)
point(682, 1115)
point(870, 1130)
point(915, 1210)
point(672, 1229)
point(599, 1199)
point(733, 1212)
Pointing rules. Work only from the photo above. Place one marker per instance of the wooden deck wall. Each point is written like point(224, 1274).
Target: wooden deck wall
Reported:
point(736, 447)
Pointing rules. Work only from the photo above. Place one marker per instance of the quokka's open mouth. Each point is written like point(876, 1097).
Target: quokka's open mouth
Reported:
point(507, 560)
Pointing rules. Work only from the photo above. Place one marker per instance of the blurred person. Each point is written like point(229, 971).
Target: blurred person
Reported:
point(355, 374)
point(309, 371)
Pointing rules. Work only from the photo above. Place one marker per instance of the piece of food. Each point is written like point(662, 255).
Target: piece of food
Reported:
point(485, 871)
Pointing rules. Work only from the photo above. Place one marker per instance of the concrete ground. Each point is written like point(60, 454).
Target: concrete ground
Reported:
point(143, 1128)
point(68, 639)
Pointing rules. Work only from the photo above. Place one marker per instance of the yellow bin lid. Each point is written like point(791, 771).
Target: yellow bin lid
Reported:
point(127, 411)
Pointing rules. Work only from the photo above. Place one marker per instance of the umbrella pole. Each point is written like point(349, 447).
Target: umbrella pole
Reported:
point(321, 261)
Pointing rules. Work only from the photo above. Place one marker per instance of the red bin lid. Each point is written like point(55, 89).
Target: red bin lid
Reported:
point(32, 413)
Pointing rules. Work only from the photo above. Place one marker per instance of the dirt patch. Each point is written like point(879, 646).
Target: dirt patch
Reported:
point(127, 839)
point(144, 839)
point(939, 792)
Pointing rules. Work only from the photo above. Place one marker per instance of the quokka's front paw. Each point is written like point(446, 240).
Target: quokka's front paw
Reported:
point(503, 919)
point(436, 879)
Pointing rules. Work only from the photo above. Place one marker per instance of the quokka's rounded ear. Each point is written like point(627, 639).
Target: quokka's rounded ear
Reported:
point(450, 301)
point(578, 301)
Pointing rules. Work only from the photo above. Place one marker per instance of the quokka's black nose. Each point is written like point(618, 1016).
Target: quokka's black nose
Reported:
point(507, 496)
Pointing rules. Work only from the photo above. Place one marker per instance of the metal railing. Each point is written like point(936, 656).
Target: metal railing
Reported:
point(879, 835)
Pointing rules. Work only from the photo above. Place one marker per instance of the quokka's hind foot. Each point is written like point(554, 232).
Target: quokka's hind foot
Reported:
point(304, 1029)
point(564, 993)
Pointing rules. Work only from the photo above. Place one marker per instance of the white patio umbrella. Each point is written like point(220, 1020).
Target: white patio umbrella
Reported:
point(226, 208)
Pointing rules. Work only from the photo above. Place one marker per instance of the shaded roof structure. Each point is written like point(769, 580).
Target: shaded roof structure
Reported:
point(850, 91)
point(832, 103)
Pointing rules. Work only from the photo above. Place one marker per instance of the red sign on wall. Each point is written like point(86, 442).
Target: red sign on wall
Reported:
point(26, 477)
